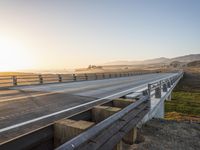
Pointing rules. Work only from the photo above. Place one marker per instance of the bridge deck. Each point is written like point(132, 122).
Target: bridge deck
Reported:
point(22, 104)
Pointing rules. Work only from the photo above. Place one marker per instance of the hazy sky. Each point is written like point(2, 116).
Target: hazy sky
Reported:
point(75, 33)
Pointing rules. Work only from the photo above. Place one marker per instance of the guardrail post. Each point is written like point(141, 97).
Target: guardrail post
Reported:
point(14, 78)
point(164, 87)
point(59, 78)
point(86, 77)
point(158, 92)
point(149, 94)
point(171, 82)
point(110, 75)
point(145, 92)
point(74, 77)
point(149, 91)
point(168, 84)
point(40, 79)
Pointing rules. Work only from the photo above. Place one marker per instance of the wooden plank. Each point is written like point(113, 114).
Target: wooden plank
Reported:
point(113, 129)
point(66, 129)
point(122, 102)
point(100, 113)
point(110, 143)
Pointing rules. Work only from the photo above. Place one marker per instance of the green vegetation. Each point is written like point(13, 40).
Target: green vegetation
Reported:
point(184, 102)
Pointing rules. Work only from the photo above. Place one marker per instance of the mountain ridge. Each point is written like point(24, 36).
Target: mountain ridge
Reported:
point(164, 60)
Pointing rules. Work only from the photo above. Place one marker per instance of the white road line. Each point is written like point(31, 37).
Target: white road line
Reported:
point(65, 110)
point(23, 97)
point(44, 94)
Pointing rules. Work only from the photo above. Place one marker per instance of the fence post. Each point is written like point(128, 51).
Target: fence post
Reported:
point(59, 78)
point(14, 78)
point(86, 77)
point(103, 75)
point(74, 77)
point(40, 79)
point(95, 76)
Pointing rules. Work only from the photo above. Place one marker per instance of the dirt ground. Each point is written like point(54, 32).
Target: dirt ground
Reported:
point(160, 134)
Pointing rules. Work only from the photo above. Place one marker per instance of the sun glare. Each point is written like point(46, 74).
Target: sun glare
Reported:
point(13, 55)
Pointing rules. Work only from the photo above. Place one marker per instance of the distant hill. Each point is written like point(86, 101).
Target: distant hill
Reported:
point(177, 64)
point(194, 64)
point(156, 60)
point(161, 60)
point(187, 58)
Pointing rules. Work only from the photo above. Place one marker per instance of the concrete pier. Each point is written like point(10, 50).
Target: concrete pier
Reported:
point(160, 111)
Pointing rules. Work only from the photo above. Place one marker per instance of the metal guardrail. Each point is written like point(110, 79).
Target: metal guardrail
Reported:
point(32, 79)
point(156, 88)
point(89, 135)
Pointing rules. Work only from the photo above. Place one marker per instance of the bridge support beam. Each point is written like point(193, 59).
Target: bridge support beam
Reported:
point(118, 146)
point(66, 129)
point(100, 113)
point(130, 138)
point(122, 103)
point(160, 111)
point(169, 98)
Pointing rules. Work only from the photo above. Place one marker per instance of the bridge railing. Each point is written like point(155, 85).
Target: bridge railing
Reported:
point(32, 79)
point(103, 126)
point(108, 132)
point(155, 89)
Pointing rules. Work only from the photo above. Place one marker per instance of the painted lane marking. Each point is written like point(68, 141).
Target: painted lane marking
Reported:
point(43, 94)
point(65, 110)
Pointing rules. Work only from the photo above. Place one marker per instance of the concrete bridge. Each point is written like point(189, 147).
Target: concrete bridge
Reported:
point(87, 114)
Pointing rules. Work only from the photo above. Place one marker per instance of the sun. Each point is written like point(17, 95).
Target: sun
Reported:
point(13, 55)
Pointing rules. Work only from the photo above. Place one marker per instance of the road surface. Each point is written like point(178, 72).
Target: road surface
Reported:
point(24, 109)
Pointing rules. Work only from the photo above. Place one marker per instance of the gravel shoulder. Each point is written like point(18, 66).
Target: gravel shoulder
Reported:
point(160, 134)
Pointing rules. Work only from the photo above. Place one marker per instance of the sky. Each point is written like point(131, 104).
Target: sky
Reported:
point(62, 34)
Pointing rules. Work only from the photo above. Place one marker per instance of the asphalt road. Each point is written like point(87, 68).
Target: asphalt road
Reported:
point(23, 109)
